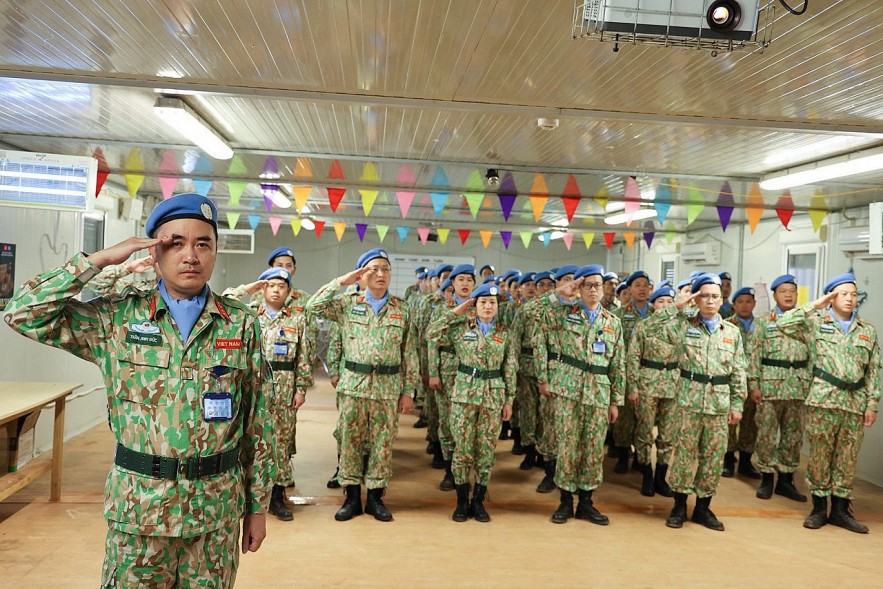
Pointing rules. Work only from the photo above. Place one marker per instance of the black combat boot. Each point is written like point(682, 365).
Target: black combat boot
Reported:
point(622, 459)
point(447, 483)
point(819, 514)
point(333, 483)
point(785, 487)
point(461, 513)
point(477, 505)
point(678, 514)
point(702, 514)
point(659, 483)
point(438, 458)
point(517, 448)
point(841, 516)
point(636, 464)
point(430, 447)
point(420, 423)
point(729, 465)
point(277, 504)
point(504, 431)
point(765, 490)
point(746, 469)
point(374, 506)
point(352, 506)
point(565, 508)
point(547, 485)
point(586, 510)
point(648, 489)
point(611, 445)
point(539, 461)
point(530, 457)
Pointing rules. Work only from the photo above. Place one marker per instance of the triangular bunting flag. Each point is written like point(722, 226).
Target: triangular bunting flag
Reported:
point(632, 196)
point(485, 237)
point(571, 197)
point(254, 221)
point(473, 199)
point(405, 199)
point(423, 234)
point(201, 186)
point(361, 229)
point(100, 180)
point(167, 186)
point(98, 154)
point(275, 223)
point(662, 202)
point(232, 220)
point(335, 195)
point(670, 236)
point(368, 198)
point(335, 172)
point(695, 204)
point(539, 194)
point(601, 198)
point(464, 235)
point(301, 195)
point(629, 237)
point(507, 201)
point(381, 232)
point(268, 202)
point(236, 168)
point(303, 168)
point(588, 238)
point(785, 208)
point(320, 225)
point(369, 173)
point(506, 236)
point(546, 236)
point(818, 210)
point(507, 194)
point(339, 229)
point(403, 231)
point(754, 206)
point(270, 170)
point(134, 181)
point(567, 238)
point(443, 235)
point(608, 239)
point(295, 226)
point(725, 205)
point(648, 238)
point(235, 189)
point(525, 238)
point(439, 198)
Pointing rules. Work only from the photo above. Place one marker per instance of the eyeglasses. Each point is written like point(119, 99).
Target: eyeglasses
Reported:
point(710, 297)
point(593, 285)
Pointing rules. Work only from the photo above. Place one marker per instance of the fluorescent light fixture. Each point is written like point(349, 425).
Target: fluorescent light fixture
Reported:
point(818, 149)
point(307, 223)
point(183, 119)
point(860, 162)
point(638, 215)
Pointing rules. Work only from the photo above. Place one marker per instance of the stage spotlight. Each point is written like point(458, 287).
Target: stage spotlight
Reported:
point(723, 16)
point(493, 177)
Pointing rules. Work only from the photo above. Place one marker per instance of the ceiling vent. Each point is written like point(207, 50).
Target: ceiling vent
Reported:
point(235, 241)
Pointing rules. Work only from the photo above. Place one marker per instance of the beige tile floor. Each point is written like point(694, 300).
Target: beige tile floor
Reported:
point(61, 545)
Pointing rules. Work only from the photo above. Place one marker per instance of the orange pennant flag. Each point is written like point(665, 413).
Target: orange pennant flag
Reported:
point(485, 237)
point(754, 206)
point(339, 228)
point(629, 237)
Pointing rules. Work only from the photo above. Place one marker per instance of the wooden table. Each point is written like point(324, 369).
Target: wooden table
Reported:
point(18, 399)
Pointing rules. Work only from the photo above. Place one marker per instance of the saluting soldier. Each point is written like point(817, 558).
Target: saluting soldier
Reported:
point(115, 277)
point(333, 367)
point(482, 392)
point(187, 394)
point(778, 382)
point(414, 289)
point(379, 375)
point(842, 399)
point(711, 394)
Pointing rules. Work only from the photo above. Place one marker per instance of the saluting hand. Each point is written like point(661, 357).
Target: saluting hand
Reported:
point(687, 301)
point(119, 253)
point(253, 287)
point(464, 307)
point(824, 301)
point(351, 277)
point(570, 289)
point(140, 265)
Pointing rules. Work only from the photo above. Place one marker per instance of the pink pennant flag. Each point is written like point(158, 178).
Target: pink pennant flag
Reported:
point(275, 222)
point(167, 186)
point(632, 196)
point(405, 199)
point(567, 238)
point(423, 234)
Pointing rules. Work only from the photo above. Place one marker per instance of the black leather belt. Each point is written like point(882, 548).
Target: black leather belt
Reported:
point(784, 363)
point(164, 467)
point(371, 368)
point(658, 365)
point(282, 364)
point(447, 349)
point(704, 378)
point(479, 373)
point(577, 363)
point(840, 384)
point(527, 351)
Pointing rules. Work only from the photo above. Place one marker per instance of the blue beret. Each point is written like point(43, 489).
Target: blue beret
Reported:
point(745, 290)
point(662, 291)
point(485, 290)
point(445, 284)
point(547, 275)
point(431, 274)
point(423, 275)
point(462, 269)
point(847, 278)
point(554, 271)
point(182, 206)
point(490, 279)
point(421, 270)
point(621, 287)
point(696, 274)
point(443, 268)
point(725, 276)
point(486, 267)
point(589, 270)
point(635, 275)
point(565, 270)
point(280, 273)
point(683, 283)
point(372, 255)
point(610, 276)
point(665, 282)
point(783, 279)
point(280, 251)
point(703, 280)
point(526, 277)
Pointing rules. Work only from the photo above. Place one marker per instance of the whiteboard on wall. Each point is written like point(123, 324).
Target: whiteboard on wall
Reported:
point(403, 266)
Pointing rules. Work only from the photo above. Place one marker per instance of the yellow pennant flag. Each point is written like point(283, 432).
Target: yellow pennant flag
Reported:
point(442, 235)
point(134, 181)
point(339, 228)
point(295, 226)
point(601, 198)
point(588, 237)
point(301, 195)
point(485, 237)
point(629, 237)
point(754, 206)
point(818, 210)
point(302, 168)
point(368, 198)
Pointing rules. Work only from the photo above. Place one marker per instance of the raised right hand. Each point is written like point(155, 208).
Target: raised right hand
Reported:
point(119, 253)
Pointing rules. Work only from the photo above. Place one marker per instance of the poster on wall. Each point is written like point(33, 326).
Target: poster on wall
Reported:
point(7, 273)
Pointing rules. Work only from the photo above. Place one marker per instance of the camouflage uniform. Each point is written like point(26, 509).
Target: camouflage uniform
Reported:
point(379, 365)
point(611, 304)
point(835, 427)
point(423, 313)
point(476, 400)
point(585, 380)
point(743, 435)
point(334, 367)
point(624, 428)
point(442, 362)
point(703, 407)
point(111, 280)
point(538, 319)
point(155, 390)
point(527, 394)
point(778, 366)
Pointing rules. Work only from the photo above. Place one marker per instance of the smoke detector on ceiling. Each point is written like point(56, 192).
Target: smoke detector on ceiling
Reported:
point(547, 124)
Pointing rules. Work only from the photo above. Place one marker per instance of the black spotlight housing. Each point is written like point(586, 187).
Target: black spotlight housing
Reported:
point(492, 176)
point(723, 16)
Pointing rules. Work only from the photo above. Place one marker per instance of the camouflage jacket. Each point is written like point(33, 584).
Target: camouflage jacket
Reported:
point(426, 307)
point(386, 340)
point(522, 327)
point(747, 335)
point(646, 351)
point(611, 304)
point(777, 383)
point(112, 280)
point(155, 387)
point(334, 358)
point(852, 357)
point(442, 357)
point(717, 354)
point(288, 352)
point(597, 348)
point(496, 351)
point(629, 317)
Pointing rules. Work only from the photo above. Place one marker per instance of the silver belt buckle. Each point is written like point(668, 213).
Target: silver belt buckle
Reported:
point(474, 372)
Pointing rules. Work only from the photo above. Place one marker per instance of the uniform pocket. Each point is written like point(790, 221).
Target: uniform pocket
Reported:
point(143, 372)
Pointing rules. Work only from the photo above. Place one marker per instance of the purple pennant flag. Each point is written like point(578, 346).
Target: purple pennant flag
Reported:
point(506, 236)
point(361, 228)
point(649, 234)
point(268, 202)
point(271, 168)
point(507, 201)
point(508, 193)
point(725, 205)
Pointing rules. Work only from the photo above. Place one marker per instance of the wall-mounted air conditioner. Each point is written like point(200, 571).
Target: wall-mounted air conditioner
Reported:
point(854, 240)
point(703, 252)
point(235, 241)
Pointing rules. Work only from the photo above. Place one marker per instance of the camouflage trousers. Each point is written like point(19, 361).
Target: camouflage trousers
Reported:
point(443, 401)
point(285, 424)
point(367, 428)
point(475, 429)
point(430, 412)
point(650, 412)
point(834, 437)
point(580, 432)
point(779, 436)
point(698, 454)
point(528, 409)
point(547, 444)
point(624, 428)
point(133, 561)
point(743, 435)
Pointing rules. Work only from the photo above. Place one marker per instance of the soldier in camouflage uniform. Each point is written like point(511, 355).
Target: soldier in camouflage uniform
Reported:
point(334, 366)
point(288, 352)
point(710, 395)
point(727, 309)
point(778, 382)
point(414, 289)
point(744, 435)
point(622, 294)
point(843, 397)
point(526, 292)
point(187, 393)
point(482, 393)
point(421, 320)
point(651, 366)
point(115, 277)
point(609, 300)
point(585, 370)
point(379, 375)
point(629, 314)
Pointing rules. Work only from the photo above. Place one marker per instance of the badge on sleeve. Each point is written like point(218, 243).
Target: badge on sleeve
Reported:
point(217, 406)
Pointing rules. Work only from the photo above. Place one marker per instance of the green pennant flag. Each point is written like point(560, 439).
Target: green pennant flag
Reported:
point(525, 238)
point(695, 204)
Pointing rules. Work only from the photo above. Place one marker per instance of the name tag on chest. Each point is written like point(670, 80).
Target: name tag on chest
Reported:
point(693, 332)
point(825, 328)
point(359, 310)
point(574, 318)
point(217, 407)
point(470, 336)
point(772, 326)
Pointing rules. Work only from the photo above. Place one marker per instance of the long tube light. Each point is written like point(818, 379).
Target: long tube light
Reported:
point(644, 213)
point(176, 114)
point(860, 162)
